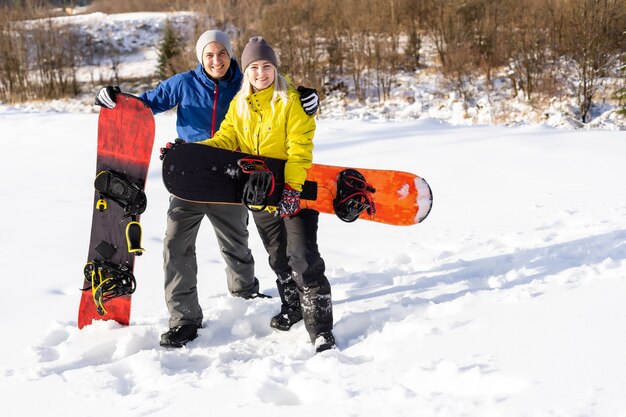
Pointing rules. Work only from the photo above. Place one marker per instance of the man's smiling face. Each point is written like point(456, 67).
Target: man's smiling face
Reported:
point(215, 60)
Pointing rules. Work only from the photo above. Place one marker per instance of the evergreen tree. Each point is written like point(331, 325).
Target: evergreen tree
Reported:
point(170, 51)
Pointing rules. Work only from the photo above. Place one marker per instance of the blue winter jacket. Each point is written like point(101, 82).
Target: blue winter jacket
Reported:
point(202, 102)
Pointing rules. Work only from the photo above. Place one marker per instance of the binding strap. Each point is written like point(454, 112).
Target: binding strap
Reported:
point(259, 185)
point(354, 195)
point(128, 195)
point(108, 281)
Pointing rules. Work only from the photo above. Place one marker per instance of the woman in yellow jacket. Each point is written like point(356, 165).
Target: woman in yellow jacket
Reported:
point(266, 118)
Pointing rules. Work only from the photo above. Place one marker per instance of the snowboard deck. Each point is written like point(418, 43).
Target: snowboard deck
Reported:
point(205, 174)
point(125, 140)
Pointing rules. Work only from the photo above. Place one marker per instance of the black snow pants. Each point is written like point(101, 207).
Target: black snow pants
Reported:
point(303, 269)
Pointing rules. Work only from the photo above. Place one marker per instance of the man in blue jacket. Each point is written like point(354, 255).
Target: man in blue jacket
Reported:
point(203, 96)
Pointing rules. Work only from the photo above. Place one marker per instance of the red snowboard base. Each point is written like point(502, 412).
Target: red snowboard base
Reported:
point(125, 139)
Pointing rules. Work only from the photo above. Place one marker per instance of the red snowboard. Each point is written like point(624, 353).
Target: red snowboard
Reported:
point(125, 139)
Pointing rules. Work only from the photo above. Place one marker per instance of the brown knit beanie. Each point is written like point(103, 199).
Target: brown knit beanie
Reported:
point(257, 49)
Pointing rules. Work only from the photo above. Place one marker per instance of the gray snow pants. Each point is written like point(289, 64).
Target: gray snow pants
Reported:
point(293, 254)
point(230, 223)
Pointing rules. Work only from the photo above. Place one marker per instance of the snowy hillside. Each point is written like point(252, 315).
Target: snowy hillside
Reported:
point(506, 301)
point(420, 95)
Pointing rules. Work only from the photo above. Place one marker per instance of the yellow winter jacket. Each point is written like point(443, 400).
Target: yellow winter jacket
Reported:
point(284, 132)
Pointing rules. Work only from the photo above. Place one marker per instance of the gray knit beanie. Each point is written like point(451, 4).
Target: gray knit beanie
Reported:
point(257, 49)
point(213, 36)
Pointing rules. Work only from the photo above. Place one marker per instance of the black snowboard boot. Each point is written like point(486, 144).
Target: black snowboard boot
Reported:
point(287, 317)
point(290, 311)
point(324, 341)
point(179, 336)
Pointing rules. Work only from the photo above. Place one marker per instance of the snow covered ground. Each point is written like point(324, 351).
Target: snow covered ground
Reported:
point(507, 301)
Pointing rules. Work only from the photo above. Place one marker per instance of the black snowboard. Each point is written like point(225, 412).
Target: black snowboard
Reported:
point(201, 173)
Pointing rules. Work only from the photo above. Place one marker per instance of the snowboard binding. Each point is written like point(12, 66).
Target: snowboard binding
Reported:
point(108, 281)
point(354, 195)
point(259, 185)
point(127, 195)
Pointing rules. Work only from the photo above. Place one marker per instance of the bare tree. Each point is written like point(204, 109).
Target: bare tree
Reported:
point(527, 48)
point(13, 63)
point(594, 33)
point(356, 46)
point(56, 57)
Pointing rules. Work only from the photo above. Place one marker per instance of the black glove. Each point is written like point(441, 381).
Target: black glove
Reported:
point(290, 203)
point(106, 96)
point(310, 100)
point(168, 146)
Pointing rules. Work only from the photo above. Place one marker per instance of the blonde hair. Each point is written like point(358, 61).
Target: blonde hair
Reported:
point(281, 87)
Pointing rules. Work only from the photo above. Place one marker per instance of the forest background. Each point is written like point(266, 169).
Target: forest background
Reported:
point(538, 51)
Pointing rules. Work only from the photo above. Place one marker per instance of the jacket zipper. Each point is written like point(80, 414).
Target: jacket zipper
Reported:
point(214, 111)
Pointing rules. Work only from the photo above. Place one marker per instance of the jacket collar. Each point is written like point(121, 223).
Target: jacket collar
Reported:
point(261, 99)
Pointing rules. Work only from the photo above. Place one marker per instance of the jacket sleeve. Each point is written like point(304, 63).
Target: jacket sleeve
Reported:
point(300, 132)
point(226, 136)
point(166, 96)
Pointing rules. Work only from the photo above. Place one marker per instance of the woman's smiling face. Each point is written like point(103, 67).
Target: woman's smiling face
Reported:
point(261, 74)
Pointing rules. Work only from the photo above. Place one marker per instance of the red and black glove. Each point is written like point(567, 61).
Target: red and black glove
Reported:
point(290, 203)
point(168, 146)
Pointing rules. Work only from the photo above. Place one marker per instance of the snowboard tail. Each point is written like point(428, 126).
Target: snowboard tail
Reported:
point(200, 173)
point(125, 140)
